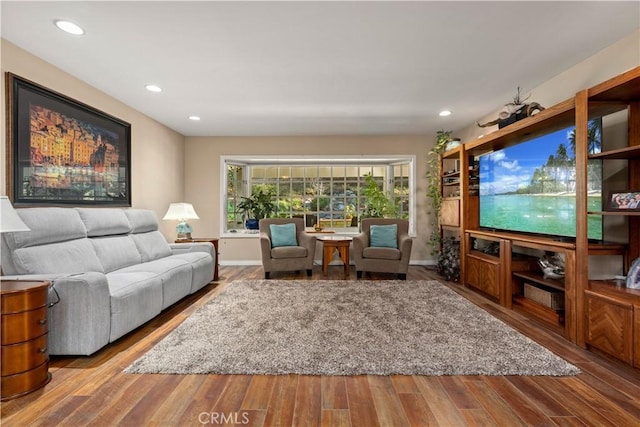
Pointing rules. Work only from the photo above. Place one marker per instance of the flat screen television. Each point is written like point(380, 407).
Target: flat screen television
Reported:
point(530, 187)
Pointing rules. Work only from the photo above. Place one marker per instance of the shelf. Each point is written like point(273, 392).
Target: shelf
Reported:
point(550, 316)
point(631, 152)
point(615, 213)
point(484, 256)
point(540, 280)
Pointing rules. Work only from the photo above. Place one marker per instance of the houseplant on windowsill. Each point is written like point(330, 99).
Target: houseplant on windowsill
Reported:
point(257, 206)
point(379, 204)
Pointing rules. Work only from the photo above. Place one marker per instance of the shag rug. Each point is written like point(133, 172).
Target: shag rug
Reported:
point(346, 328)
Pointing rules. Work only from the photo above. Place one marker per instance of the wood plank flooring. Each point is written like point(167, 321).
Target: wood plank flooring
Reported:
point(93, 391)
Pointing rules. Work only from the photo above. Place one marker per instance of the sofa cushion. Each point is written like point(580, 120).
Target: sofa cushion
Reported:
point(152, 245)
point(48, 225)
point(104, 221)
point(384, 236)
point(202, 267)
point(116, 252)
point(141, 220)
point(75, 256)
point(175, 273)
point(283, 235)
point(136, 297)
point(381, 253)
point(289, 252)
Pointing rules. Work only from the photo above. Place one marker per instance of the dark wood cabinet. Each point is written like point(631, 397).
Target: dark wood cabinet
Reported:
point(25, 357)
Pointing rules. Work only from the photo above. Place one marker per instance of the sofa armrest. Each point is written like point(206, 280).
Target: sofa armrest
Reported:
point(405, 242)
point(80, 320)
point(308, 241)
point(182, 248)
point(265, 247)
point(360, 242)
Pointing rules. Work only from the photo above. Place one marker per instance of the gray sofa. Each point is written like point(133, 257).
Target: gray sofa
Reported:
point(112, 269)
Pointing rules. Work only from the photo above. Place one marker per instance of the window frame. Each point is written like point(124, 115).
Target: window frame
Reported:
point(389, 161)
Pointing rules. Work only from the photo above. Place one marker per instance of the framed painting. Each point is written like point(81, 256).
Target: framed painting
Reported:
point(63, 152)
point(624, 201)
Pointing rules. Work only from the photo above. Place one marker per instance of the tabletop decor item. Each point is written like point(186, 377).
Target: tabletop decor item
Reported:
point(61, 151)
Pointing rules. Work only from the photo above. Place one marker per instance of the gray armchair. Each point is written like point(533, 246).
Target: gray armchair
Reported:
point(382, 259)
point(286, 258)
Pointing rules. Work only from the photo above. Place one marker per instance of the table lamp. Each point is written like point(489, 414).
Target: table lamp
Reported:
point(182, 212)
point(9, 219)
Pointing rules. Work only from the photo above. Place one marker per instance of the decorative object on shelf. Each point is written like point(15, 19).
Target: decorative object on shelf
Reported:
point(318, 227)
point(9, 220)
point(449, 260)
point(257, 206)
point(552, 266)
point(633, 276)
point(181, 212)
point(63, 151)
point(514, 111)
point(453, 143)
point(492, 248)
point(623, 200)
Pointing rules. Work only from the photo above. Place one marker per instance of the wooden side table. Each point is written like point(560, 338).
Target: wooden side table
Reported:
point(212, 240)
point(329, 245)
point(25, 357)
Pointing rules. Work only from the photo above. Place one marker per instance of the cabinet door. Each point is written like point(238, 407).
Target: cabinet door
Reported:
point(484, 275)
point(609, 325)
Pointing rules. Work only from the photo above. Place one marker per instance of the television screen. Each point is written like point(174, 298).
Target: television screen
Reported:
point(530, 187)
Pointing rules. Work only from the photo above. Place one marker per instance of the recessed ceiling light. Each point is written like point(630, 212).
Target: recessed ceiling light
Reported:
point(69, 27)
point(194, 118)
point(153, 88)
point(445, 113)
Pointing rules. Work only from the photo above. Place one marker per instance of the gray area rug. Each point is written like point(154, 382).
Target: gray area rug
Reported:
point(346, 328)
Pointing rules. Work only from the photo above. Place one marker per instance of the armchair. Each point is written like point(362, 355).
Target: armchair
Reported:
point(382, 259)
point(286, 258)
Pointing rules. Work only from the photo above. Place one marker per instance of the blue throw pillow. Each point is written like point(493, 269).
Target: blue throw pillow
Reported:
point(384, 236)
point(283, 235)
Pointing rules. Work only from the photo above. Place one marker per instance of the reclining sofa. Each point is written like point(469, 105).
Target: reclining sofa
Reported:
point(112, 271)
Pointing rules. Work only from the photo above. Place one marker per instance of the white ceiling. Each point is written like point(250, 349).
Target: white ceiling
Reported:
point(317, 68)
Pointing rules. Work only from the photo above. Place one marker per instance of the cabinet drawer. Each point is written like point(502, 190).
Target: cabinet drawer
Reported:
point(19, 384)
point(25, 300)
point(22, 357)
point(24, 326)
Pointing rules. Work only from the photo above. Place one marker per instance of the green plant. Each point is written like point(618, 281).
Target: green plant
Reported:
point(433, 176)
point(259, 204)
point(379, 205)
point(449, 260)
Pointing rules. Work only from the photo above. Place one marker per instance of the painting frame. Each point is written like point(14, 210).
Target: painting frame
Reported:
point(63, 152)
point(623, 201)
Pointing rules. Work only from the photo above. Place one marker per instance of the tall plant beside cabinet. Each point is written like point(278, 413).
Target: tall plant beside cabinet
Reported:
point(434, 189)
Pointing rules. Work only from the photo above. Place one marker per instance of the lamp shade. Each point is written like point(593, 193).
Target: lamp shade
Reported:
point(181, 211)
point(9, 219)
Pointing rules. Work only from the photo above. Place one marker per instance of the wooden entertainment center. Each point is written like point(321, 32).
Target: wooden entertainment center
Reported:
point(599, 314)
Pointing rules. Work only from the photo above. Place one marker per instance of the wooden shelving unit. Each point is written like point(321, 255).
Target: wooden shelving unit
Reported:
point(599, 314)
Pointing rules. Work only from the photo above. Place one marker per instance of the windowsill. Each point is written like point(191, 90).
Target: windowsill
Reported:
point(245, 234)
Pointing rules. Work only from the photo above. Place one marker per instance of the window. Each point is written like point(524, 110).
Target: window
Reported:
point(327, 191)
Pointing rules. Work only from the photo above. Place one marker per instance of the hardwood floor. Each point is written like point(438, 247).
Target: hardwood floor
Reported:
point(94, 391)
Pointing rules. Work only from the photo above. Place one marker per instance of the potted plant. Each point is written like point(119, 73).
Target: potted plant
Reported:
point(434, 175)
point(257, 206)
point(379, 205)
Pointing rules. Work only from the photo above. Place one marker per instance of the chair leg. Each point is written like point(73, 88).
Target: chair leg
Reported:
point(267, 275)
point(359, 274)
point(402, 276)
point(309, 272)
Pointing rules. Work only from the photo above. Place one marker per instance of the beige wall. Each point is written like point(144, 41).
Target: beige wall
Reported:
point(203, 178)
point(157, 152)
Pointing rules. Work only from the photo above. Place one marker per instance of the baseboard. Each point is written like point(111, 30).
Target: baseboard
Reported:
point(424, 263)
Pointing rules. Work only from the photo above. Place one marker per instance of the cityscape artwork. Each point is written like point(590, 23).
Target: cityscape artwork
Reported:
point(65, 152)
